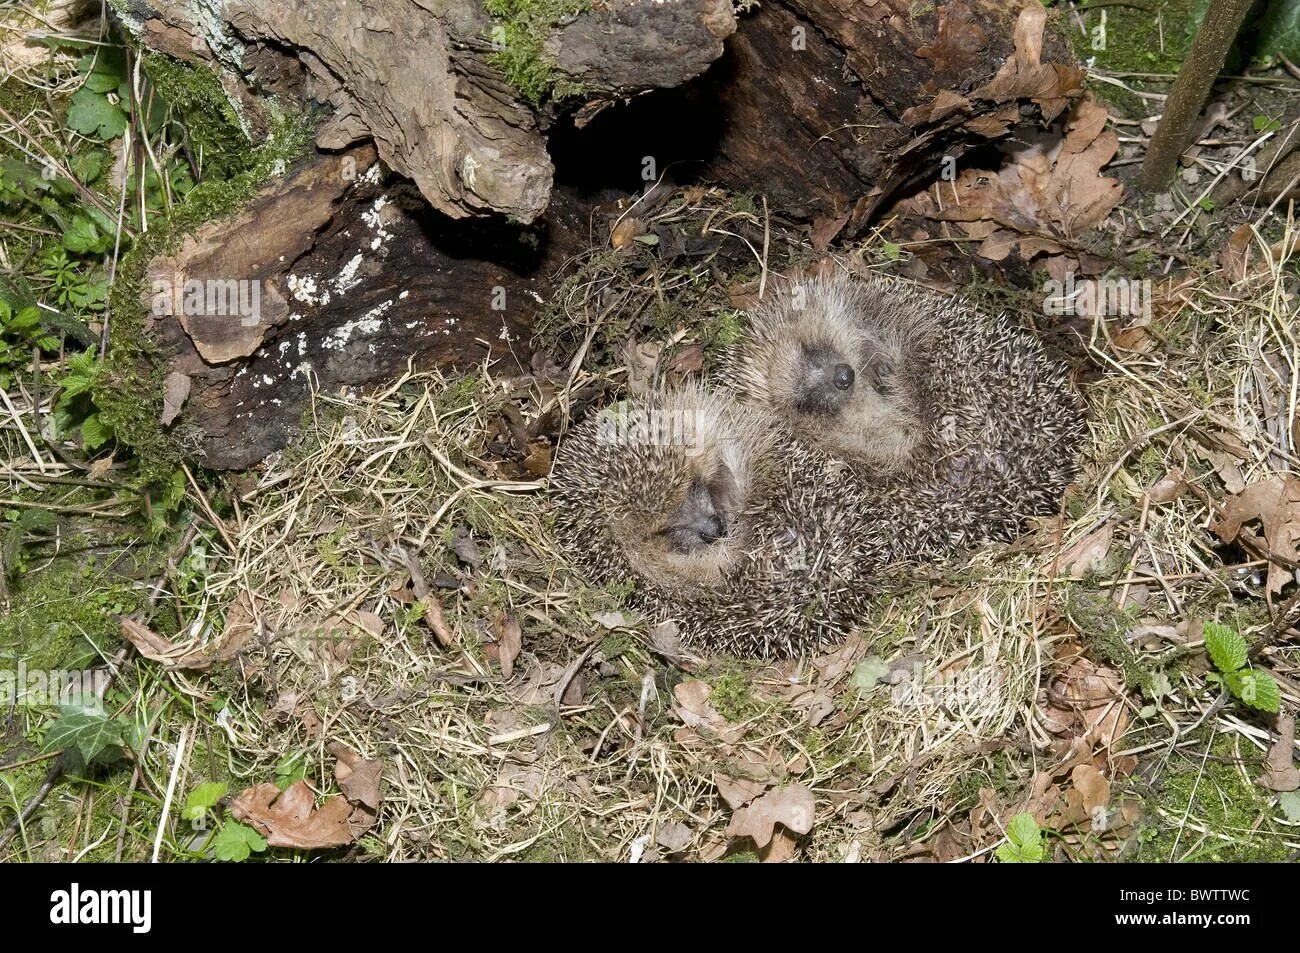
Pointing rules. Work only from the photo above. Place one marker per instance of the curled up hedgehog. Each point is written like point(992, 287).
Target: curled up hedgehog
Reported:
point(719, 519)
point(956, 423)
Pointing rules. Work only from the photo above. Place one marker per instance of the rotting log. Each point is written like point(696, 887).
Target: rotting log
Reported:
point(341, 281)
point(828, 108)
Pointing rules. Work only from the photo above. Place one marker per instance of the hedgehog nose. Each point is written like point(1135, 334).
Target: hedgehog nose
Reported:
point(842, 376)
point(712, 529)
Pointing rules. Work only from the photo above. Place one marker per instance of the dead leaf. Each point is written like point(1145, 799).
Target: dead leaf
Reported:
point(674, 837)
point(737, 792)
point(509, 642)
point(291, 818)
point(176, 388)
point(1168, 488)
point(1275, 504)
point(625, 232)
point(358, 777)
point(959, 41)
point(666, 640)
point(792, 807)
point(1280, 772)
point(640, 360)
point(1089, 553)
point(191, 655)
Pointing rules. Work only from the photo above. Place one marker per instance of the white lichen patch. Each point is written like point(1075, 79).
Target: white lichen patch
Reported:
point(368, 323)
point(303, 289)
point(347, 278)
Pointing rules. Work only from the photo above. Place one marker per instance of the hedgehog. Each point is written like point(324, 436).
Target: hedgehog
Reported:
point(720, 521)
point(955, 423)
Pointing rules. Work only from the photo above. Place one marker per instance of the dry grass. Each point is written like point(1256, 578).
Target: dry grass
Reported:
point(581, 753)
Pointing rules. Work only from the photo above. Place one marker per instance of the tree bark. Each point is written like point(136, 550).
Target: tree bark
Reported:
point(827, 107)
point(1190, 90)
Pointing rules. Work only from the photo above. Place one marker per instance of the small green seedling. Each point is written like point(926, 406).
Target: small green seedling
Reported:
point(201, 802)
point(1024, 843)
point(1229, 652)
point(236, 842)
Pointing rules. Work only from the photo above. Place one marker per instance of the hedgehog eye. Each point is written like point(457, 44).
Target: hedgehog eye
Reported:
point(842, 377)
point(880, 374)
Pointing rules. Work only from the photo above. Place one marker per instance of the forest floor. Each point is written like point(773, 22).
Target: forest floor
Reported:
point(370, 648)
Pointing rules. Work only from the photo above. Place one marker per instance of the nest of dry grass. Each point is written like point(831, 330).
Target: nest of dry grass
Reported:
point(407, 599)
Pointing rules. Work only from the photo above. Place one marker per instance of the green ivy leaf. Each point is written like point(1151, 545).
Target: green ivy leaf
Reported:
point(85, 737)
point(1278, 31)
point(1227, 649)
point(203, 799)
point(92, 114)
point(236, 842)
point(1289, 801)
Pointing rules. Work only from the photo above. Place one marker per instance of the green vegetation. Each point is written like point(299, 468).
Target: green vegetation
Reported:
point(518, 37)
point(1229, 653)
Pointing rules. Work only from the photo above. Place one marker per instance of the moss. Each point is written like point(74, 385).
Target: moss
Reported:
point(59, 615)
point(615, 645)
point(1105, 628)
point(1217, 796)
point(1153, 40)
point(198, 101)
point(522, 27)
point(129, 395)
point(733, 698)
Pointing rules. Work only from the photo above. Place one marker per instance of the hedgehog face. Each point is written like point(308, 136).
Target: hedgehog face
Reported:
point(659, 490)
point(682, 525)
point(822, 361)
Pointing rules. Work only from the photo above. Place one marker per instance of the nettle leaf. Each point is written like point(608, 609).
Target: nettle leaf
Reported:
point(202, 799)
point(1024, 843)
point(92, 114)
point(1228, 650)
point(95, 433)
point(85, 738)
point(236, 842)
point(1256, 688)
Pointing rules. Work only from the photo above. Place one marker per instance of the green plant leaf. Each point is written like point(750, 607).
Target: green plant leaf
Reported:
point(202, 799)
point(1227, 649)
point(81, 237)
point(1024, 844)
point(1256, 688)
point(91, 114)
point(95, 433)
point(1277, 31)
point(868, 672)
point(85, 737)
point(236, 842)
point(1289, 801)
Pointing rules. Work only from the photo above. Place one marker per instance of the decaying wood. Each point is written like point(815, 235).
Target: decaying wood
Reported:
point(826, 107)
point(350, 285)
